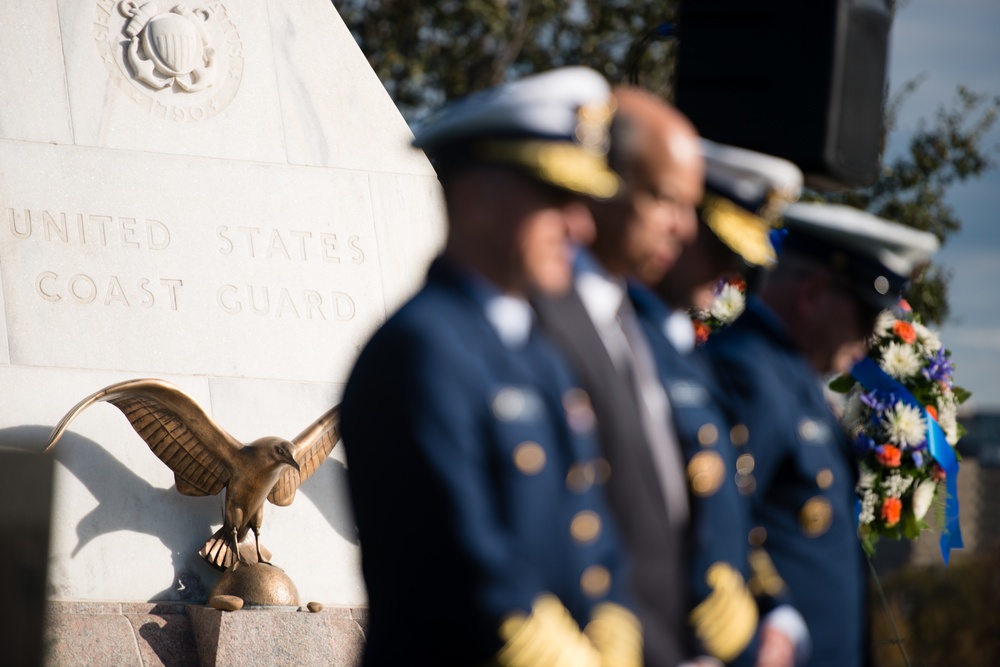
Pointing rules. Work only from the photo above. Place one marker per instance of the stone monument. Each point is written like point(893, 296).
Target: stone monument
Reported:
point(219, 194)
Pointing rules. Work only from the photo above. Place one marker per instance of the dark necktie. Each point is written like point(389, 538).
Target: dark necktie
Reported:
point(654, 409)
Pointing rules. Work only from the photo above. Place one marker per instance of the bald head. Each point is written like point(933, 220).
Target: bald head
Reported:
point(656, 151)
point(657, 139)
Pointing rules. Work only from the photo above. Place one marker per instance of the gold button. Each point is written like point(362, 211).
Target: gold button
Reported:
point(824, 478)
point(580, 478)
point(745, 464)
point(816, 516)
point(602, 471)
point(579, 410)
point(757, 536)
point(529, 457)
point(746, 484)
point(739, 435)
point(585, 527)
point(596, 581)
point(708, 434)
point(706, 472)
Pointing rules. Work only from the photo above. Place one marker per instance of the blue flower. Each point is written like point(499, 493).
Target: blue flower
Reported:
point(939, 367)
point(863, 443)
point(873, 401)
point(918, 459)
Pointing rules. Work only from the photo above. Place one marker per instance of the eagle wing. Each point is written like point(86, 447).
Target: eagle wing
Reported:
point(176, 428)
point(311, 447)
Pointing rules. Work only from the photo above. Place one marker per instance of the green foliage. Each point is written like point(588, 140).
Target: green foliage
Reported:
point(426, 53)
point(911, 187)
point(429, 52)
point(842, 384)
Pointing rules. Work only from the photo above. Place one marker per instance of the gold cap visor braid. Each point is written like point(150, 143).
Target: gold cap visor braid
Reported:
point(563, 164)
point(743, 232)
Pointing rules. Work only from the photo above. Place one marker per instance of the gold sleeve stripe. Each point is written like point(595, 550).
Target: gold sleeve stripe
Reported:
point(547, 637)
point(617, 635)
point(726, 620)
point(764, 579)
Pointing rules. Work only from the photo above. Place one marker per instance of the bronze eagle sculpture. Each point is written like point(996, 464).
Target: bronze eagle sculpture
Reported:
point(205, 458)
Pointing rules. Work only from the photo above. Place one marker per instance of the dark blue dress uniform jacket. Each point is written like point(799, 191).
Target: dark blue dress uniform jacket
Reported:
point(720, 515)
point(465, 478)
point(805, 476)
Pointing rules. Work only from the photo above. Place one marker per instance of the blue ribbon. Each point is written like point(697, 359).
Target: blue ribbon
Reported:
point(869, 374)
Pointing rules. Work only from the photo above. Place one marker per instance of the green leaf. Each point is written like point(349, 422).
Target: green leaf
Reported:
point(842, 384)
point(868, 541)
point(961, 395)
point(910, 526)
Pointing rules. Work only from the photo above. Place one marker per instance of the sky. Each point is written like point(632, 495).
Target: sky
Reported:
point(952, 42)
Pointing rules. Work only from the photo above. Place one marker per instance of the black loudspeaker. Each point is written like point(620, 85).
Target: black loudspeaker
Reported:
point(800, 79)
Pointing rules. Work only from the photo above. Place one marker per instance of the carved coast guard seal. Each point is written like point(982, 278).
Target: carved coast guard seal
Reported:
point(181, 61)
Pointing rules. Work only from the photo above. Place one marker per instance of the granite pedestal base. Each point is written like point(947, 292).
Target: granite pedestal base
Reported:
point(182, 635)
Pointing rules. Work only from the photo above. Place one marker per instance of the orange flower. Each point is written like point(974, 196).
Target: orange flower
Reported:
point(891, 509)
point(890, 456)
point(932, 411)
point(904, 306)
point(701, 332)
point(938, 473)
point(737, 281)
point(905, 331)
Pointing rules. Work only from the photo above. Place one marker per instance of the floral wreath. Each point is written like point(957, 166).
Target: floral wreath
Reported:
point(901, 414)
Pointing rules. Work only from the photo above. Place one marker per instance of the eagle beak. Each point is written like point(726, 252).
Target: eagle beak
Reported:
point(290, 460)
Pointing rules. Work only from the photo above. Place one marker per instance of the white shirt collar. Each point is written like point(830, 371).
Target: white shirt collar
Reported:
point(511, 317)
point(602, 296)
point(679, 330)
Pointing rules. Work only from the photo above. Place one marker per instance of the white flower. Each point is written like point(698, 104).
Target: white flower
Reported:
point(867, 513)
point(867, 477)
point(895, 485)
point(900, 360)
point(729, 304)
point(948, 420)
point(904, 425)
point(883, 323)
point(852, 410)
point(923, 495)
point(927, 341)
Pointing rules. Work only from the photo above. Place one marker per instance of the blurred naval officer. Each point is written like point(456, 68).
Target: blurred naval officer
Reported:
point(474, 470)
point(744, 193)
point(837, 269)
point(639, 235)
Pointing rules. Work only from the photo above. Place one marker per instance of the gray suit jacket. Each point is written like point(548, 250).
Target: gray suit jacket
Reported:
point(657, 548)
